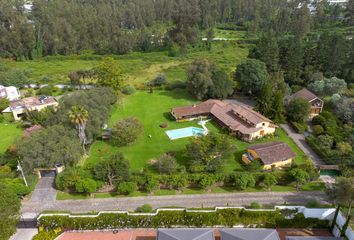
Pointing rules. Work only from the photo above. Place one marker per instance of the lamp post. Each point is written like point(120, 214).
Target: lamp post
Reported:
point(19, 168)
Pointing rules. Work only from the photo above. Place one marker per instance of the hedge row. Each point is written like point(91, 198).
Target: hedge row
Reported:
point(299, 127)
point(322, 152)
point(225, 217)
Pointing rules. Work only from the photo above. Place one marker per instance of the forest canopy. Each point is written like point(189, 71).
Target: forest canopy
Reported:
point(119, 26)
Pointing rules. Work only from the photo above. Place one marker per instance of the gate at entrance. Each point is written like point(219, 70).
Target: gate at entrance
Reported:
point(47, 173)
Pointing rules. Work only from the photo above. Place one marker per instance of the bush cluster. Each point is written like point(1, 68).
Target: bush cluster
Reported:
point(333, 139)
point(224, 217)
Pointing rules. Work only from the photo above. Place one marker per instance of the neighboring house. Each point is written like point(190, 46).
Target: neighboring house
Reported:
point(272, 154)
point(10, 93)
point(249, 234)
point(19, 108)
point(240, 120)
point(315, 102)
point(185, 234)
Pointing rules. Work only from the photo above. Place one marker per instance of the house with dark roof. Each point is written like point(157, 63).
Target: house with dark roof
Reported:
point(240, 120)
point(249, 234)
point(185, 234)
point(315, 102)
point(271, 154)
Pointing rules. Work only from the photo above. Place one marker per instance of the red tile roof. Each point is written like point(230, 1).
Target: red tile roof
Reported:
point(235, 116)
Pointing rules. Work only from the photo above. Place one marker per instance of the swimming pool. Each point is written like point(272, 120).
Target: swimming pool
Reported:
point(185, 132)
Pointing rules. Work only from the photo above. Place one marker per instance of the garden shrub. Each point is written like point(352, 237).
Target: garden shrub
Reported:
point(86, 185)
point(313, 143)
point(151, 184)
point(146, 208)
point(176, 85)
point(317, 129)
point(126, 131)
point(159, 80)
point(166, 163)
point(223, 217)
point(255, 205)
point(126, 188)
point(299, 127)
point(319, 120)
point(128, 89)
point(47, 235)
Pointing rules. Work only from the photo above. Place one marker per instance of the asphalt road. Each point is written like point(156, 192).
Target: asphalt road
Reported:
point(45, 190)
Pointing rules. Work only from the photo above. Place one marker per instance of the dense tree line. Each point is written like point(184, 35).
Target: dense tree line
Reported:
point(120, 26)
point(304, 61)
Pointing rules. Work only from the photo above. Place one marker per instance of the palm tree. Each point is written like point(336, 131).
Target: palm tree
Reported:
point(79, 116)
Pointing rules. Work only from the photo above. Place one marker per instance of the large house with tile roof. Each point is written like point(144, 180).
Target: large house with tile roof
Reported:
point(240, 120)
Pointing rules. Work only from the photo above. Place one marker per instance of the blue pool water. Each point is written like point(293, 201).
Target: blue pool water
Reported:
point(185, 132)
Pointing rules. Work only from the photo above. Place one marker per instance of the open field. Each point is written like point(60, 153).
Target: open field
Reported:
point(9, 132)
point(137, 67)
point(153, 110)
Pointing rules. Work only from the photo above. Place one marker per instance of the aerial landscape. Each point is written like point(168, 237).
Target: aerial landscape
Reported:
point(177, 119)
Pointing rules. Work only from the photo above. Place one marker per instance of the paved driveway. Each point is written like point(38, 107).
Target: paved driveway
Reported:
point(44, 191)
point(189, 201)
point(300, 141)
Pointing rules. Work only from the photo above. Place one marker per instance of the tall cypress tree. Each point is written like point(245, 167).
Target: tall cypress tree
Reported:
point(278, 109)
point(267, 51)
point(265, 100)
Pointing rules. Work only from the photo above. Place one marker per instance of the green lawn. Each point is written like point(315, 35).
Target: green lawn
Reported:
point(153, 110)
point(137, 67)
point(9, 132)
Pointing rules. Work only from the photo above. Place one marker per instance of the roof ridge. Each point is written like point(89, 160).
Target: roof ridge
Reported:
point(276, 143)
point(206, 232)
point(270, 234)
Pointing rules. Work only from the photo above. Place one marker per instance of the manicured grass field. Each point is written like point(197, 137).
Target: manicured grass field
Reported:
point(152, 109)
point(9, 132)
point(137, 67)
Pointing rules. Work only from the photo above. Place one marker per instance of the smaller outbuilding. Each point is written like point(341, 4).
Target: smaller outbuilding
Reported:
point(185, 234)
point(271, 154)
point(249, 234)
